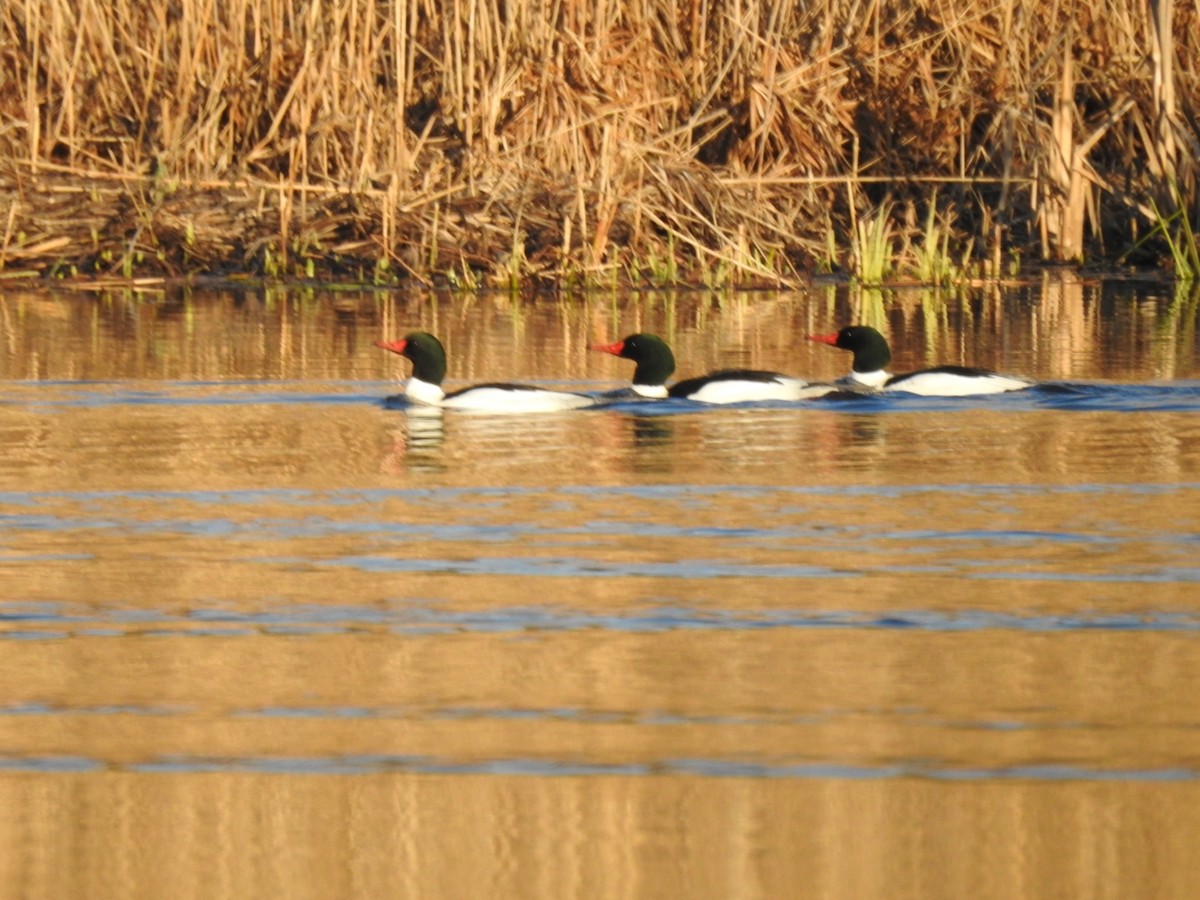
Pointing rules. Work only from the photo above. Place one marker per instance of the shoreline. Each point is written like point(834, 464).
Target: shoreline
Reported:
point(190, 233)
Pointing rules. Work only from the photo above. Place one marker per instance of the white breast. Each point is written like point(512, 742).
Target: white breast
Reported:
point(418, 391)
point(873, 380)
point(650, 391)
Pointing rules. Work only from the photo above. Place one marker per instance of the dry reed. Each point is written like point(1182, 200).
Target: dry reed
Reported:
point(539, 140)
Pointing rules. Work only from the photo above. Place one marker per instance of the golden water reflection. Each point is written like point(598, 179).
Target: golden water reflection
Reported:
point(471, 836)
point(1060, 329)
point(264, 635)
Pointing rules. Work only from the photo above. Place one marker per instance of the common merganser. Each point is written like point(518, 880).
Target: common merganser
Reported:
point(656, 363)
point(428, 357)
point(872, 354)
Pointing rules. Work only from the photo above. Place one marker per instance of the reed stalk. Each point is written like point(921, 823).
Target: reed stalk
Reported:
point(525, 142)
point(873, 247)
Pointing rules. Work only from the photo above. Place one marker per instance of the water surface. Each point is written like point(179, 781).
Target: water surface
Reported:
point(258, 622)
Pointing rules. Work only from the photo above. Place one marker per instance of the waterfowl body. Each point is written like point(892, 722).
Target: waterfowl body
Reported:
point(428, 359)
point(656, 363)
point(872, 355)
point(746, 386)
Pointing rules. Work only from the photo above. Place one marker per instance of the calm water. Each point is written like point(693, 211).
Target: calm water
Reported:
point(262, 635)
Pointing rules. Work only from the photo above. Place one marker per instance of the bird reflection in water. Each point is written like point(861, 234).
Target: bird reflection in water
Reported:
point(418, 446)
point(425, 429)
point(653, 438)
point(863, 431)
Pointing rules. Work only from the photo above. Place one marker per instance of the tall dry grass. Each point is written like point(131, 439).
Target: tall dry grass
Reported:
point(518, 139)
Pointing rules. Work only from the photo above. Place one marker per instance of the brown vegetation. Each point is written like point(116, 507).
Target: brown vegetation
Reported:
point(640, 140)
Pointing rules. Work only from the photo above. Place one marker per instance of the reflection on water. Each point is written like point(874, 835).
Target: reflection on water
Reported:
point(419, 441)
point(456, 835)
point(261, 621)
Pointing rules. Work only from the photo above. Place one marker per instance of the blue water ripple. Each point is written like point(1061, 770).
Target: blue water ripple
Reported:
point(405, 616)
point(697, 767)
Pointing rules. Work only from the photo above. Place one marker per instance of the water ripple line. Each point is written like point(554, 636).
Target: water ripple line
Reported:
point(24, 621)
point(374, 764)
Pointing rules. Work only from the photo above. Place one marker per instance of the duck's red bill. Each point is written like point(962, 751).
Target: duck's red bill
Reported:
point(394, 346)
point(614, 349)
point(830, 339)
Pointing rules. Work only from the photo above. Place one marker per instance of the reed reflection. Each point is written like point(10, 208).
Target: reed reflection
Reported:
point(1061, 328)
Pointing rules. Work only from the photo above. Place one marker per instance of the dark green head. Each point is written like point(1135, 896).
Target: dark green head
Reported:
point(655, 361)
point(870, 348)
point(426, 352)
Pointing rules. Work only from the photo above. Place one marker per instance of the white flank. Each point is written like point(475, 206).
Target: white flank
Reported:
point(501, 400)
point(735, 391)
point(947, 384)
